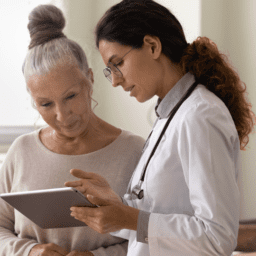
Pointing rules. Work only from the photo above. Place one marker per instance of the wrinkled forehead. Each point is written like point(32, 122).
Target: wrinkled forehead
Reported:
point(57, 80)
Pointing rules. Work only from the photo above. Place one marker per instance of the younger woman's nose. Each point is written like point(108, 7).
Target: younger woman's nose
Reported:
point(116, 80)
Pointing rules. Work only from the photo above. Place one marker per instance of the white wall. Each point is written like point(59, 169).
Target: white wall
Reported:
point(15, 103)
point(232, 25)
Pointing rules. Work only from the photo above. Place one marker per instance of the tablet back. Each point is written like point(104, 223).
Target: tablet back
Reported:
point(48, 208)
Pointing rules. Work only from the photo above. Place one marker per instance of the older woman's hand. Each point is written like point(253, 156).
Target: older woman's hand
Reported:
point(246, 254)
point(110, 216)
point(93, 184)
point(76, 253)
point(50, 249)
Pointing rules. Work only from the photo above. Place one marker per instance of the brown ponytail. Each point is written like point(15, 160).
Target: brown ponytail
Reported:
point(212, 69)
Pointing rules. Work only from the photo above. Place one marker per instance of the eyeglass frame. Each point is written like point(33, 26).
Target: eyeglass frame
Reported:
point(118, 72)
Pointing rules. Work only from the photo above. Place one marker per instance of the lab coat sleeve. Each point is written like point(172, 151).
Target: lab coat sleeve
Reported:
point(208, 148)
point(142, 227)
point(10, 244)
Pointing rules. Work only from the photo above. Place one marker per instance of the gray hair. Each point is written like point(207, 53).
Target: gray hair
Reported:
point(49, 46)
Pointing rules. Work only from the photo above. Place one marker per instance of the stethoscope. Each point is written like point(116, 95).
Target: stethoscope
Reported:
point(137, 191)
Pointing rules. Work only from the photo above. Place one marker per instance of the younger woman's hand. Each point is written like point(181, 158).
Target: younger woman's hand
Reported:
point(110, 216)
point(93, 184)
point(50, 249)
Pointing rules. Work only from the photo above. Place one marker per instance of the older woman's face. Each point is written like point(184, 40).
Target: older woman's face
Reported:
point(62, 98)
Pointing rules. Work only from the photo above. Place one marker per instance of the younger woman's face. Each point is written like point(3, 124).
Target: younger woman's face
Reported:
point(62, 98)
point(141, 74)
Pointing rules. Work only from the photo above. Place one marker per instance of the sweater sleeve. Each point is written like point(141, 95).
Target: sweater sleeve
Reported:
point(114, 250)
point(10, 243)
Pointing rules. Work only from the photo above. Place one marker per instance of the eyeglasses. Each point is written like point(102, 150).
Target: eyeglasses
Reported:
point(114, 69)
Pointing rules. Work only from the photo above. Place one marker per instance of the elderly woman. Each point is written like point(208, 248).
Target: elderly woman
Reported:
point(60, 83)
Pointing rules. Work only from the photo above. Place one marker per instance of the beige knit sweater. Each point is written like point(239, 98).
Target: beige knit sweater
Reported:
point(29, 165)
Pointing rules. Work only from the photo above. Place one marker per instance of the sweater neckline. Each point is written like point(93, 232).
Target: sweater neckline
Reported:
point(108, 147)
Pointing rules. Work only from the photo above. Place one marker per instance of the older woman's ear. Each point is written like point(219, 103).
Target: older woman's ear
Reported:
point(90, 75)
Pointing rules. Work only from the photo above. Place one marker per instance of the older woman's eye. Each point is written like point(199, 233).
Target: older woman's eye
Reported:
point(71, 96)
point(46, 104)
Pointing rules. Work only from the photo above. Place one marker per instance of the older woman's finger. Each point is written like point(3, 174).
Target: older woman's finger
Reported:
point(48, 249)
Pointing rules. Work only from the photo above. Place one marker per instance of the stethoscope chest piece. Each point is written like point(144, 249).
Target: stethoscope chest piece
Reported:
point(138, 192)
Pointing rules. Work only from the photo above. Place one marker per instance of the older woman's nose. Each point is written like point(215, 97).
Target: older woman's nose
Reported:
point(62, 113)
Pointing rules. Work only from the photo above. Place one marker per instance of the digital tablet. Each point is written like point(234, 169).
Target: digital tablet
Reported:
point(49, 208)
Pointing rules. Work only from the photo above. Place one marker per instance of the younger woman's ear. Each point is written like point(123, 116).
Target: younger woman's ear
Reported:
point(154, 44)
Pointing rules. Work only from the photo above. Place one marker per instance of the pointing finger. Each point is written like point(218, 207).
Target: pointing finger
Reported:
point(82, 174)
point(73, 184)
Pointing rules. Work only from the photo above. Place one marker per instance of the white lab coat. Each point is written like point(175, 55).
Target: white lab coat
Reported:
point(190, 186)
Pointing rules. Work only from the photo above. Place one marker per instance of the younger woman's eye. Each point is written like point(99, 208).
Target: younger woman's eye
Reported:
point(120, 63)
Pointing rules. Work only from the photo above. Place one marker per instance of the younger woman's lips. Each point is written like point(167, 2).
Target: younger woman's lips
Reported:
point(129, 88)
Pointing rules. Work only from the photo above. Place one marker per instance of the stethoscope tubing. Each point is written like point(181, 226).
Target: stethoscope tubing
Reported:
point(139, 192)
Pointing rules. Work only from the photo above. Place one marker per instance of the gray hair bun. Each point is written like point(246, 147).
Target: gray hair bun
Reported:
point(46, 23)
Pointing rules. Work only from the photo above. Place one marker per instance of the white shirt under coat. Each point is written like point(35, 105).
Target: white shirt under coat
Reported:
point(191, 194)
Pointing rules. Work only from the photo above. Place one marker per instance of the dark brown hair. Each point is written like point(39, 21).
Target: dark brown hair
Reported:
point(212, 69)
point(129, 21)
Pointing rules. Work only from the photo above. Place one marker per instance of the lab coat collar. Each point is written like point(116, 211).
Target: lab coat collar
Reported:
point(165, 106)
